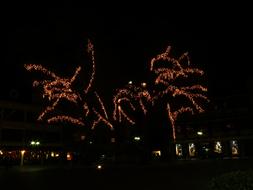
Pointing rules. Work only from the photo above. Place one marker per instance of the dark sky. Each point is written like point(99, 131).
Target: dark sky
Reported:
point(55, 36)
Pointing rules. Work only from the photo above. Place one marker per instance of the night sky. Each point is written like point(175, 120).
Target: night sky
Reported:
point(55, 36)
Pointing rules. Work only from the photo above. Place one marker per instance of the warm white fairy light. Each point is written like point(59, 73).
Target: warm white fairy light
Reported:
point(90, 50)
point(100, 118)
point(172, 121)
point(102, 105)
point(40, 68)
point(143, 107)
point(122, 113)
point(168, 75)
point(62, 118)
point(55, 90)
point(58, 88)
point(130, 95)
point(86, 109)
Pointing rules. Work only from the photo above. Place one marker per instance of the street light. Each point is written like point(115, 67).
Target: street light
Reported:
point(200, 133)
point(35, 143)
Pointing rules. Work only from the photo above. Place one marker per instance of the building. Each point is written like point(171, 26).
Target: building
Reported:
point(20, 133)
point(224, 131)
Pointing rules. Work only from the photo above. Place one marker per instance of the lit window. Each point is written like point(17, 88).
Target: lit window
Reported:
point(234, 147)
point(156, 153)
point(179, 150)
point(144, 84)
point(218, 147)
point(69, 157)
point(192, 149)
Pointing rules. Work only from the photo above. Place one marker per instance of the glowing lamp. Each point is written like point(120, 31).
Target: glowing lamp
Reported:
point(199, 133)
point(99, 167)
point(137, 138)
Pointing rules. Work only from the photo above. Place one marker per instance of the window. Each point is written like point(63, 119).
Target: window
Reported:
point(192, 150)
point(234, 147)
point(179, 150)
point(156, 153)
point(218, 147)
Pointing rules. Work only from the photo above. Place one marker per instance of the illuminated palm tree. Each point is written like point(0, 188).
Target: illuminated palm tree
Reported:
point(174, 79)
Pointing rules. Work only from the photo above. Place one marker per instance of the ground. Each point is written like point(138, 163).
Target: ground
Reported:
point(176, 175)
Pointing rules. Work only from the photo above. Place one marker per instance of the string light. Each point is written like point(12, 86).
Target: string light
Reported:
point(63, 118)
point(101, 118)
point(130, 94)
point(168, 75)
point(90, 50)
point(58, 88)
point(55, 90)
point(102, 105)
